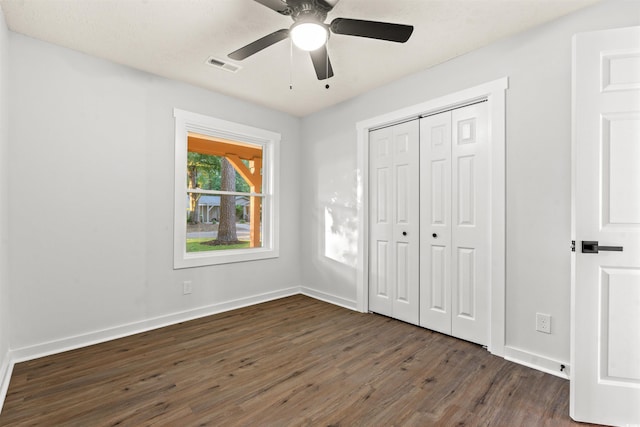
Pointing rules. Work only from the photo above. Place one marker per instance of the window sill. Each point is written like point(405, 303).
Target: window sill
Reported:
point(202, 259)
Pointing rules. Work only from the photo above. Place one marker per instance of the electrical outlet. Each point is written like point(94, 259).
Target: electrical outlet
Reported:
point(187, 288)
point(543, 323)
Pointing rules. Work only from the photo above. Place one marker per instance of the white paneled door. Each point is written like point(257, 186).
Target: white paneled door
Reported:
point(394, 221)
point(435, 220)
point(605, 331)
point(454, 211)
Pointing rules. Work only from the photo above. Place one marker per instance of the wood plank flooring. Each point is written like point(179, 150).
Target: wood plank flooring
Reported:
point(291, 362)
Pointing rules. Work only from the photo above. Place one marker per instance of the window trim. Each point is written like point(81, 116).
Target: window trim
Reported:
point(185, 122)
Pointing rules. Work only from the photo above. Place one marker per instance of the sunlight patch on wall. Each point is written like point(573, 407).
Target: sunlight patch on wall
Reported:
point(340, 234)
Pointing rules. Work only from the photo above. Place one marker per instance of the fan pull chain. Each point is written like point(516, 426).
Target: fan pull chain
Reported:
point(326, 57)
point(326, 62)
point(290, 64)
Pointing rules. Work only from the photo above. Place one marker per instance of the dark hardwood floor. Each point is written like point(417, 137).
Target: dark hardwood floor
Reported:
point(294, 361)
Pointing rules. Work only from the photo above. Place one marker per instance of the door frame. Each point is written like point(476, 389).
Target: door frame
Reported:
point(494, 93)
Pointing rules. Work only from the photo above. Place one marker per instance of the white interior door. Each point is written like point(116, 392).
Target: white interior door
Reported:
point(435, 222)
point(454, 209)
point(605, 331)
point(394, 219)
point(470, 223)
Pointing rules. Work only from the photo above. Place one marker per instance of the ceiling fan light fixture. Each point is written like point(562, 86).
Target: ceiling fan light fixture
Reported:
point(309, 35)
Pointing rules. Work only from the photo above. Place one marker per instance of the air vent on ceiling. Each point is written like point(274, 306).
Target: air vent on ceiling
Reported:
point(218, 63)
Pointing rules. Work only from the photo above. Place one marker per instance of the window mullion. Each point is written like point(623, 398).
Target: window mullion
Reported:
point(224, 193)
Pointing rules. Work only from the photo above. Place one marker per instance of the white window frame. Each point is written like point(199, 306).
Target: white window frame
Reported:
point(186, 122)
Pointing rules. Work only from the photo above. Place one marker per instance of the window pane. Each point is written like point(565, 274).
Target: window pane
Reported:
point(223, 165)
point(223, 222)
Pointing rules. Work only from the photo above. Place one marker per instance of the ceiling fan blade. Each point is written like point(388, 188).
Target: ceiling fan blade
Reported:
point(321, 63)
point(258, 45)
point(279, 6)
point(372, 29)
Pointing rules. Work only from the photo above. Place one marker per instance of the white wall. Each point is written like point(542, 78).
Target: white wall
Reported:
point(538, 64)
point(4, 197)
point(92, 161)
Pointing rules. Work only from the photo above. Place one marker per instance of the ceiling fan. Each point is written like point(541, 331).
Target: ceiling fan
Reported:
point(310, 33)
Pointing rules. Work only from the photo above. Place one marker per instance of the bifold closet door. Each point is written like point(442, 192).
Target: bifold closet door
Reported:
point(394, 221)
point(454, 223)
point(435, 218)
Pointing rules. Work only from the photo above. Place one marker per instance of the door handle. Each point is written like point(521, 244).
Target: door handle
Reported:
point(592, 247)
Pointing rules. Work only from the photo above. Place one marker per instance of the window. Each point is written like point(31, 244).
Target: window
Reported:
point(225, 199)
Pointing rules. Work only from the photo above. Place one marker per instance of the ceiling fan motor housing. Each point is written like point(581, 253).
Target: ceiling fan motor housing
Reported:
point(308, 11)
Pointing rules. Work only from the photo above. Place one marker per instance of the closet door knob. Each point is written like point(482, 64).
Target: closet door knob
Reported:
point(435, 236)
point(404, 233)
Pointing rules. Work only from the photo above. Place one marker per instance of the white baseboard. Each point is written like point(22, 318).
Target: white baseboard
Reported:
point(6, 369)
point(331, 299)
point(96, 337)
point(535, 361)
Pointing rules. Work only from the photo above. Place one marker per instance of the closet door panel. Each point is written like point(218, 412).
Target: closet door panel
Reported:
point(470, 227)
point(466, 281)
point(465, 190)
point(402, 282)
point(439, 206)
point(435, 222)
point(381, 268)
point(394, 228)
point(381, 283)
point(406, 140)
point(437, 299)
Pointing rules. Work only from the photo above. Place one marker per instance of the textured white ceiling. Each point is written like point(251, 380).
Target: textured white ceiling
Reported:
point(174, 38)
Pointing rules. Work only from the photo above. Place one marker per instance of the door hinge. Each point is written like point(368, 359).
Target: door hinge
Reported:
point(573, 246)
